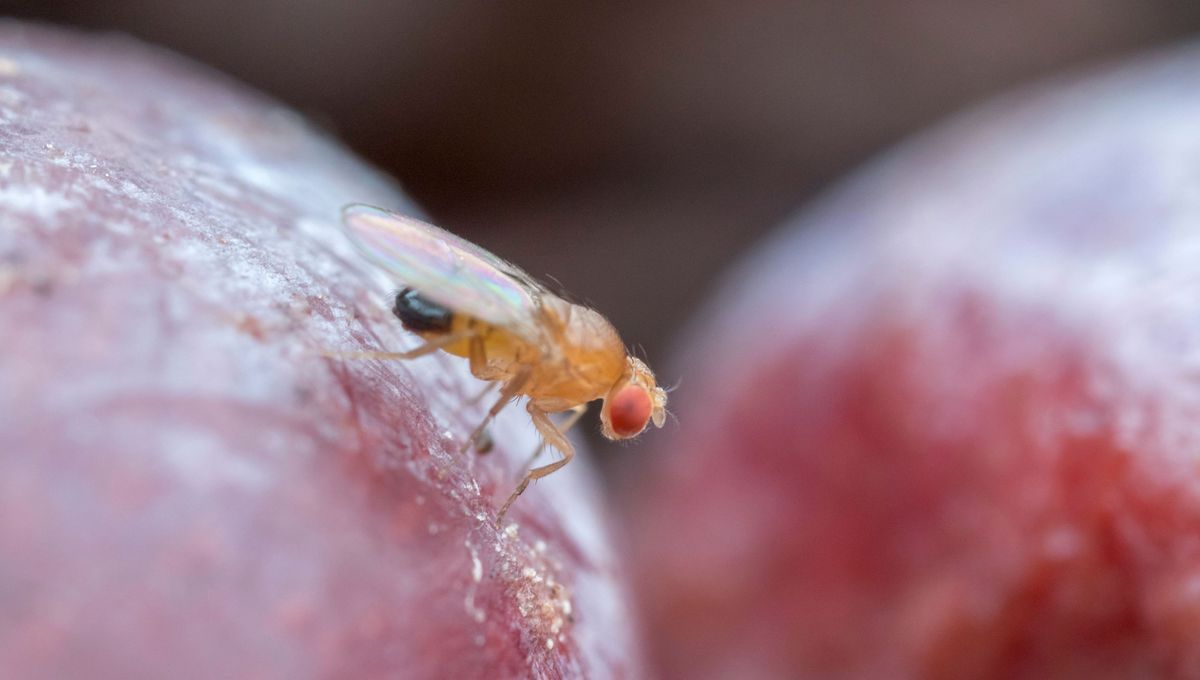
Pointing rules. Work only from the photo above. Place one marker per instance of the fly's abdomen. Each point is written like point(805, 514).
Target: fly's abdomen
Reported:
point(420, 314)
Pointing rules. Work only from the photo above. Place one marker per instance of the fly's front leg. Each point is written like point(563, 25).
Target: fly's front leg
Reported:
point(429, 347)
point(507, 393)
point(554, 437)
point(564, 427)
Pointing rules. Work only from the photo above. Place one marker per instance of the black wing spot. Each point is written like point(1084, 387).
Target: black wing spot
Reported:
point(420, 314)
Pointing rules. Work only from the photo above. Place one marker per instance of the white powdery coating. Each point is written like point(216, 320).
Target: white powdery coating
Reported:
point(34, 200)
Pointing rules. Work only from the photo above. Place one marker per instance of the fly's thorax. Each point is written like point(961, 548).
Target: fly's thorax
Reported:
point(585, 357)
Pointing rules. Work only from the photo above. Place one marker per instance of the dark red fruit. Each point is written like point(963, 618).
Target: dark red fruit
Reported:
point(947, 427)
point(188, 485)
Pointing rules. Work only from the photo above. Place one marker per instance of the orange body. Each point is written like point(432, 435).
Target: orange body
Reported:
point(583, 361)
point(466, 301)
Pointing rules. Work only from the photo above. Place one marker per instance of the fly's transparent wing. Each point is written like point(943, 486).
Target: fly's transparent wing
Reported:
point(446, 268)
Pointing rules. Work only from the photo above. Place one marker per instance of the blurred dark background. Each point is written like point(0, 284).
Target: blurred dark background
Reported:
point(630, 150)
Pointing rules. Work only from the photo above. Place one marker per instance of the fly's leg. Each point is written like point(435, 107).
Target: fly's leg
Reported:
point(477, 355)
point(564, 427)
point(477, 358)
point(484, 443)
point(554, 437)
point(507, 393)
point(429, 347)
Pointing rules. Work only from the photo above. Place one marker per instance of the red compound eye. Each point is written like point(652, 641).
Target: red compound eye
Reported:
point(629, 411)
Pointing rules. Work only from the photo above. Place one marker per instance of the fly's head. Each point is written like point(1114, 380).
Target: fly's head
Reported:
point(633, 403)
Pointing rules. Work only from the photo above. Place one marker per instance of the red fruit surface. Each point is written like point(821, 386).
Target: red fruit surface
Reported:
point(188, 486)
point(948, 424)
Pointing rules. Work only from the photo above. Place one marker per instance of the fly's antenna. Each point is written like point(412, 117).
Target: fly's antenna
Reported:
point(668, 390)
point(674, 418)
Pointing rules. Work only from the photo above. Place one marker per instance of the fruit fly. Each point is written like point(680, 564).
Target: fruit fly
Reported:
point(463, 300)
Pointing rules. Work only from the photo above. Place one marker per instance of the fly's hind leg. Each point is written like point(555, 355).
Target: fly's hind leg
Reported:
point(477, 355)
point(507, 393)
point(564, 427)
point(429, 347)
point(555, 438)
